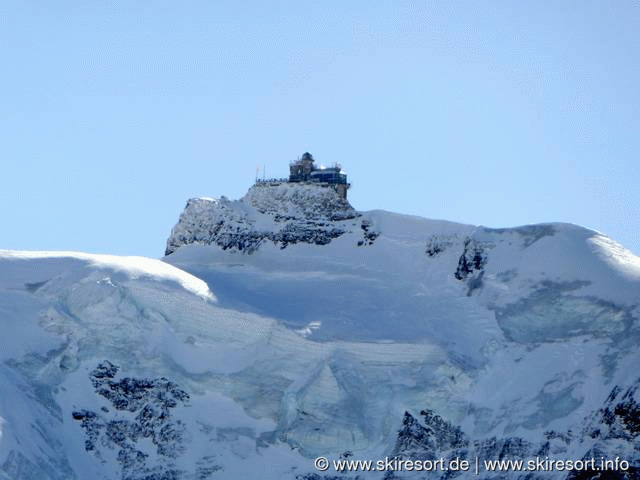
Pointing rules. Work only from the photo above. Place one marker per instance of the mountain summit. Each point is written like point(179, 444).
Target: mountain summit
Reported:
point(281, 213)
point(309, 207)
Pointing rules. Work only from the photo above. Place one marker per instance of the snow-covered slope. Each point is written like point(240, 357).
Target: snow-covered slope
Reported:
point(116, 372)
point(393, 336)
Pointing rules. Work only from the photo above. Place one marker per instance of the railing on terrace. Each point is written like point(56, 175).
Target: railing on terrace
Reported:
point(271, 180)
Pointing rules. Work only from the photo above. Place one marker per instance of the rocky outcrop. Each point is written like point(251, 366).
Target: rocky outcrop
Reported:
point(616, 431)
point(608, 445)
point(283, 214)
point(471, 261)
point(142, 414)
point(427, 440)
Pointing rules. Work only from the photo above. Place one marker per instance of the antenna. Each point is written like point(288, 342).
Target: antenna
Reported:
point(264, 172)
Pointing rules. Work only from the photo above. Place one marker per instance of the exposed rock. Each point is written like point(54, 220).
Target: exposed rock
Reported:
point(368, 235)
point(151, 402)
point(471, 261)
point(614, 427)
point(283, 213)
point(438, 244)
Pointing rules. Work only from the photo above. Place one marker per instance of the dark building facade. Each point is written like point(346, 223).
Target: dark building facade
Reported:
point(304, 170)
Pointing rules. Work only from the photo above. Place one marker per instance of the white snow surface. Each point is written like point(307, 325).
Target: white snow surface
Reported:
point(133, 267)
point(250, 378)
point(291, 353)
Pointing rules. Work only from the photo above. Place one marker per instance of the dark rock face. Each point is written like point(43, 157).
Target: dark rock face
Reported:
point(426, 440)
point(435, 438)
point(622, 413)
point(471, 261)
point(284, 214)
point(214, 222)
point(305, 233)
point(438, 244)
point(471, 265)
point(632, 474)
point(615, 428)
point(414, 439)
point(368, 235)
point(133, 394)
point(149, 403)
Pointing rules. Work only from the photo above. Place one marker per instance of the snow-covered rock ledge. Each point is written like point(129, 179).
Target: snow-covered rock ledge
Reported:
point(281, 213)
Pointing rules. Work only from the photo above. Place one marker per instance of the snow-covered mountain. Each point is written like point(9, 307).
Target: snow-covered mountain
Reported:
point(304, 328)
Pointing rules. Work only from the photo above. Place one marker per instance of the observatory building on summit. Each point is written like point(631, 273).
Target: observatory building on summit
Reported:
point(304, 170)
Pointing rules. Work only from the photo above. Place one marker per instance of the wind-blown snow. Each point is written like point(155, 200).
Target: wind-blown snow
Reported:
point(621, 258)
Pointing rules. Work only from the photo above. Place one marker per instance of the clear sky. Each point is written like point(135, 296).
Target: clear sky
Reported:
point(114, 113)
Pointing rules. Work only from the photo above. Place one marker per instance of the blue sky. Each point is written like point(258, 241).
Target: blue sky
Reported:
point(113, 114)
